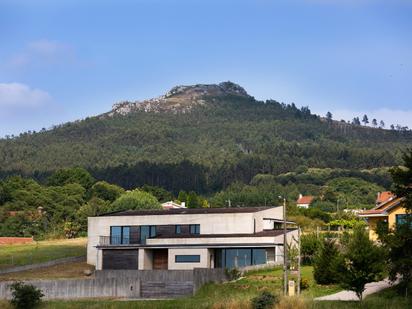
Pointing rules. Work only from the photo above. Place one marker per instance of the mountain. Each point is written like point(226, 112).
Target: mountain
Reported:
point(180, 99)
point(202, 138)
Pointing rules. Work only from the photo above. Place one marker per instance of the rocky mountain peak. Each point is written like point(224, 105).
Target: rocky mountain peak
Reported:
point(180, 98)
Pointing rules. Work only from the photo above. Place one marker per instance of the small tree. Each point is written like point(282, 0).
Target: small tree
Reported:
point(329, 116)
point(324, 263)
point(25, 296)
point(136, 199)
point(309, 244)
point(374, 122)
point(361, 262)
point(382, 124)
point(365, 120)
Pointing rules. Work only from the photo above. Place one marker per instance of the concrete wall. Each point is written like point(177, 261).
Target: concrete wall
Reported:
point(161, 275)
point(203, 276)
point(126, 284)
point(81, 288)
point(204, 258)
point(273, 213)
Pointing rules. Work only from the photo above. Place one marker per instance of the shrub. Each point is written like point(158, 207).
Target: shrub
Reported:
point(25, 296)
point(324, 266)
point(264, 300)
point(233, 273)
point(309, 246)
point(304, 284)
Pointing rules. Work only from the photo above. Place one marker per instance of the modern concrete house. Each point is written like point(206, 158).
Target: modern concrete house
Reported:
point(187, 238)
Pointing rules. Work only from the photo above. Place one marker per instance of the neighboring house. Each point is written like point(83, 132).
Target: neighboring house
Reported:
point(173, 205)
point(384, 197)
point(390, 213)
point(304, 201)
point(187, 238)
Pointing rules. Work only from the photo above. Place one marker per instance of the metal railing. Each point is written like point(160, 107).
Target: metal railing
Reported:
point(117, 241)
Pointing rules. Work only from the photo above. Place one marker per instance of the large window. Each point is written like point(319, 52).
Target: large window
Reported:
point(178, 229)
point(147, 231)
point(119, 235)
point(194, 229)
point(239, 257)
point(187, 258)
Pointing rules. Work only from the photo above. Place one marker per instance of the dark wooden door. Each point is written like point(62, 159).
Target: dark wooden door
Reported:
point(160, 259)
point(120, 259)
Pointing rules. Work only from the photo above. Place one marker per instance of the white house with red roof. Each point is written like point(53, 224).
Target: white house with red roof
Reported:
point(304, 201)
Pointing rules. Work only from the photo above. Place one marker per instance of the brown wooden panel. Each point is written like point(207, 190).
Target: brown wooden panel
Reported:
point(120, 259)
point(160, 259)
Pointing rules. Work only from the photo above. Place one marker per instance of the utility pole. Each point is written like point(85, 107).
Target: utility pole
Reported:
point(299, 260)
point(285, 254)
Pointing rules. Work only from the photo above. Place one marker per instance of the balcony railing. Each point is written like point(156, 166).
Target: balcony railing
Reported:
point(117, 241)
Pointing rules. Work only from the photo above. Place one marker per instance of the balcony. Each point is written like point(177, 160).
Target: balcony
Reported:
point(118, 241)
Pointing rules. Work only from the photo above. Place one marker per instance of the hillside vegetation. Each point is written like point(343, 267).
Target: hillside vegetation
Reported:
point(205, 148)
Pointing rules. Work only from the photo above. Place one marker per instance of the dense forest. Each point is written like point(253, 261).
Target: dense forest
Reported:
point(229, 150)
point(229, 139)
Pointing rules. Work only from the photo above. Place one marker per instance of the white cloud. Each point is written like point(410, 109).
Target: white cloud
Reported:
point(21, 95)
point(41, 51)
point(389, 116)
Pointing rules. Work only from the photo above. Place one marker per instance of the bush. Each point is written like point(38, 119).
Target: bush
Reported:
point(264, 300)
point(324, 266)
point(309, 246)
point(233, 273)
point(25, 296)
point(304, 284)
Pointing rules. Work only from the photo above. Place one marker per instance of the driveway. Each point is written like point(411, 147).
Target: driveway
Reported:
point(370, 288)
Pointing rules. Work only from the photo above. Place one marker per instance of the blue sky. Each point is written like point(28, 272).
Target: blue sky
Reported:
point(65, 60)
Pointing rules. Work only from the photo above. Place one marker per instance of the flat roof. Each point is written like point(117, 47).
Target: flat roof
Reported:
point(185, 211)
point(265, 233)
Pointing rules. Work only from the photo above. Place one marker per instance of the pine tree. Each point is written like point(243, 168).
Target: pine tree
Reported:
point(324, 263)
point(329, 116)
point(381, 124)
point(365, 120)
point(374, 122)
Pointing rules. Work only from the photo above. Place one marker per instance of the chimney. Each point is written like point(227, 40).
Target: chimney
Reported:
point(300, 195)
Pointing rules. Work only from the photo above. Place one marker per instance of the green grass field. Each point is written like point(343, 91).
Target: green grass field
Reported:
point(41, 251)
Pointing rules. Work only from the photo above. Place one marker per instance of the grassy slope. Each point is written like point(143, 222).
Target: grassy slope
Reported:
point(62, 271)
point(41, 251)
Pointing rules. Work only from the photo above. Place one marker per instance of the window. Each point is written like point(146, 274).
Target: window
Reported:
point(194, 228)
point(178, 229)
point(239, 257)
point(187, 258)
point(401, 219)
point(147, 231)
point(119, 235)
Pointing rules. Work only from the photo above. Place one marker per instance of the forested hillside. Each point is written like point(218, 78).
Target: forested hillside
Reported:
point(228, 137)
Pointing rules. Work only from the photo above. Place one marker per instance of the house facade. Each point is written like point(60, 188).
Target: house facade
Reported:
point(390, 213)
point(187, 238)
point(304, 201)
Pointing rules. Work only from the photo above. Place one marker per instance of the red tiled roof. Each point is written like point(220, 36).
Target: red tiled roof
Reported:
point(384, 197)
point(307, 199)
point(382, 208)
